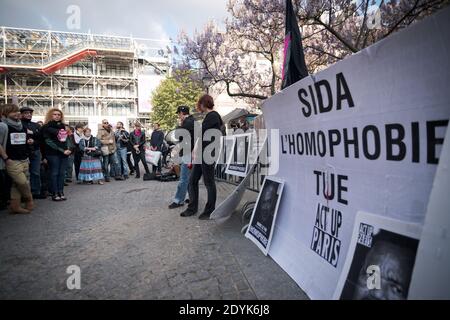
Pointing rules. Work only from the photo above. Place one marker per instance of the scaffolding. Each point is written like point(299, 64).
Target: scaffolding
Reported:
point(84, 75)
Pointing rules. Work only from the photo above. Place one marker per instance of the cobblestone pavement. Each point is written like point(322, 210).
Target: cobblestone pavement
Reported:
point(128, 245)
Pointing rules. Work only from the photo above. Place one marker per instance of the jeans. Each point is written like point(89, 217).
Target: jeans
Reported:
point(35, 172)
point(109, 159)
point(137, 158)
point(77, 163)
point(122, 166)
point(69, 169)
point(207, 170)
point(183, 184)
point(57, 166)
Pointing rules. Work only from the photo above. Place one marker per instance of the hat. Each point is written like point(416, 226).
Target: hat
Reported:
point(183, 109)
point(25, 109)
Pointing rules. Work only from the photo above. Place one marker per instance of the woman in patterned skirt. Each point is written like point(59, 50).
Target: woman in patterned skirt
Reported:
point(91, 167)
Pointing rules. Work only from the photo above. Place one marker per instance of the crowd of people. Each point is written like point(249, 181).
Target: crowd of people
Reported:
point(37, 159)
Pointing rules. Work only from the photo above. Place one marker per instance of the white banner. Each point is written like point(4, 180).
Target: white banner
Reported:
point(363, 135)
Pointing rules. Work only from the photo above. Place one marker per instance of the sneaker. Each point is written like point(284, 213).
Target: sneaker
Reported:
point(187, 213)
point(101, 182)
point(174, 205)
point(61, 195)
point(56, 198)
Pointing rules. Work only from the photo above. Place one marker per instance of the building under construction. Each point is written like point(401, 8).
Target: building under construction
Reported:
point(89, 77)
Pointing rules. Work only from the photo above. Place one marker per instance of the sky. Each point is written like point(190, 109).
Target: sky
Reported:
point(153, 19)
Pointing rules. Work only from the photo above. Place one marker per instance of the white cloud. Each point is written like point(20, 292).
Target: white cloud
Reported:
point(146, 19)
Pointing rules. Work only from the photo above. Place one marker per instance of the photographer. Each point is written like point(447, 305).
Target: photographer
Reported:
point(122, 141)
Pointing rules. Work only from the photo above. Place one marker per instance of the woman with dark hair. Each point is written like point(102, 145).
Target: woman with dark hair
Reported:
point(57, 150)
point(205, 168)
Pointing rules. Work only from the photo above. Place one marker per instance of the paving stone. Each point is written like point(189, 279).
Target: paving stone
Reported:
point(128, 245)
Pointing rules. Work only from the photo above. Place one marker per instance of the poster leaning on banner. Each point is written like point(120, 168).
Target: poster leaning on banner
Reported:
point(380, 260)
point(262, 222)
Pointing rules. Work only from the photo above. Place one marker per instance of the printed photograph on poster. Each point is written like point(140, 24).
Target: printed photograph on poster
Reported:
point(261, 225)
point(380, 259)
point(238, 160)
point(226, 147)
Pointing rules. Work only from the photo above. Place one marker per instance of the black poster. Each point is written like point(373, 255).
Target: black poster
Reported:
point(261, 225)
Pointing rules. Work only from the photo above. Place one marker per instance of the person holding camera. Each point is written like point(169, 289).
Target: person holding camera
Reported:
point(91, 167)
point(122, 141)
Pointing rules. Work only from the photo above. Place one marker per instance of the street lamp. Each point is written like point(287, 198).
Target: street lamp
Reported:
point(207, 82)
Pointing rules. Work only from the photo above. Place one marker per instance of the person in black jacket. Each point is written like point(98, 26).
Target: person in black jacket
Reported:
point(212, 121)
point(78, 154)
point(57, 149)
point(137, 139)
point(33, 129)
point(157, 143)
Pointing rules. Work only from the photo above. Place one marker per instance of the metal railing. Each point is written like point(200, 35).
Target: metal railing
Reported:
point(39, 48)
point(256, 177)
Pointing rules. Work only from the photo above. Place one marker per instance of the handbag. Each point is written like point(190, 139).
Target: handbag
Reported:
point(152, 157)
point(149, 176)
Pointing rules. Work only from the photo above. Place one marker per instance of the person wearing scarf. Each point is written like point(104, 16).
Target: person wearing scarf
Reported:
point(57, 149)
point(137, 140)
point(17, 160)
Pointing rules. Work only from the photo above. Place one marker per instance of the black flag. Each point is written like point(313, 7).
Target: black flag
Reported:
point(294, 66)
